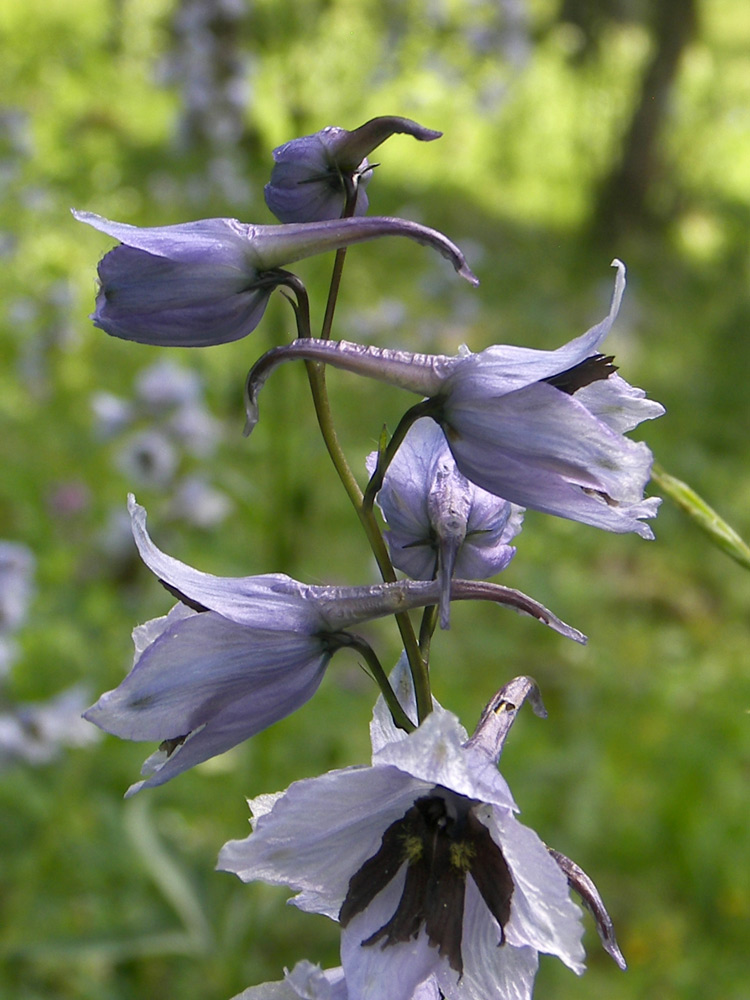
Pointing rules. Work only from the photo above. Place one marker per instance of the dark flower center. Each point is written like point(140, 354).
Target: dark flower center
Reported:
point(594, 369)
point(183, 598)
point(441, 841)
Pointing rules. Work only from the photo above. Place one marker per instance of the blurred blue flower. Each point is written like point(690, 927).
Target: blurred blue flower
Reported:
point(148, 458)
point(17, 566)
point(542, 429)
point(238, 654)
point(165, 385)
point(422, 860)
point(209, 282)
point(313, 175)
point(36, 732)
point(439, 524)
point(198, 502)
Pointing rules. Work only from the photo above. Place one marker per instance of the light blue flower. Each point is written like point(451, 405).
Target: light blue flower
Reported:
point(542, 429)
point(439, 524)
point(17, 566)
point(240, 653)
point(313, 175)
point(36, 732)
point(209, 282)
point(422, 860)
point(309, 982)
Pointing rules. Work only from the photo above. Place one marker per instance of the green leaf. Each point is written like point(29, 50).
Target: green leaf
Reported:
point(706, 518)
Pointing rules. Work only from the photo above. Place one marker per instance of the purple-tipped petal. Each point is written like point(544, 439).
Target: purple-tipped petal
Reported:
point(580, 882)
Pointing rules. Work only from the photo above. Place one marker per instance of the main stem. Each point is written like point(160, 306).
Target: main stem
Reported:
point(317, 379)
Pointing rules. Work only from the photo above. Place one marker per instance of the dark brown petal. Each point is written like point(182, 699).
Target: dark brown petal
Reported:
point(490, 871)
point(376, 872)
point(594, 369)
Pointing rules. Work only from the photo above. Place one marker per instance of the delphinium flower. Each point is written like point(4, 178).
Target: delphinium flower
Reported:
point(16, 584)
point(148, 458)
point(206, 61)
point(17, 565)
point(157, 433)
point(422, 861)
point(542, 429)
point(440, 524)
point(209, 282)
point(309, 982)
point(36, 732)
point(313, 176)
point(31, 732)
point(238, 654)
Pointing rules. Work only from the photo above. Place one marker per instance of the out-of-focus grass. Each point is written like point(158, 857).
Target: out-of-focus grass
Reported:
point(640, 771)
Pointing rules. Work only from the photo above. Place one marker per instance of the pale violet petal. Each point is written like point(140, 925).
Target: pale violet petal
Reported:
point(491, 971)
point(320, 832)
point(555, 433)
point(202, 666)
point(204, 684)
point(310, 982)
point(501, 369)
point(262, 804)
point(272, 600)
point(543, 915)
point(215, 237)
point(374, 972)
point(269, 991)
point(173, 303)
point(382, 728)
point(437, 519)
point(540, 448)
point(433, 754)
point(618, 404)
point(305, 982)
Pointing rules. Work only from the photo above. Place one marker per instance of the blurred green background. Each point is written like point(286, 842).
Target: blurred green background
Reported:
point(575, 131)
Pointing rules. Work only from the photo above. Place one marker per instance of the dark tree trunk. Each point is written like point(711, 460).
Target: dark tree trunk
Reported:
point(623, 200)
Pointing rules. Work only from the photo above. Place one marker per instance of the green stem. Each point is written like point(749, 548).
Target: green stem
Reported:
point(338, 263)
point(387, 454)
point(703, 515)
point(399, 716)
point(333, 292)
point(321, 402)
point(427, 630)
point(417, 665)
